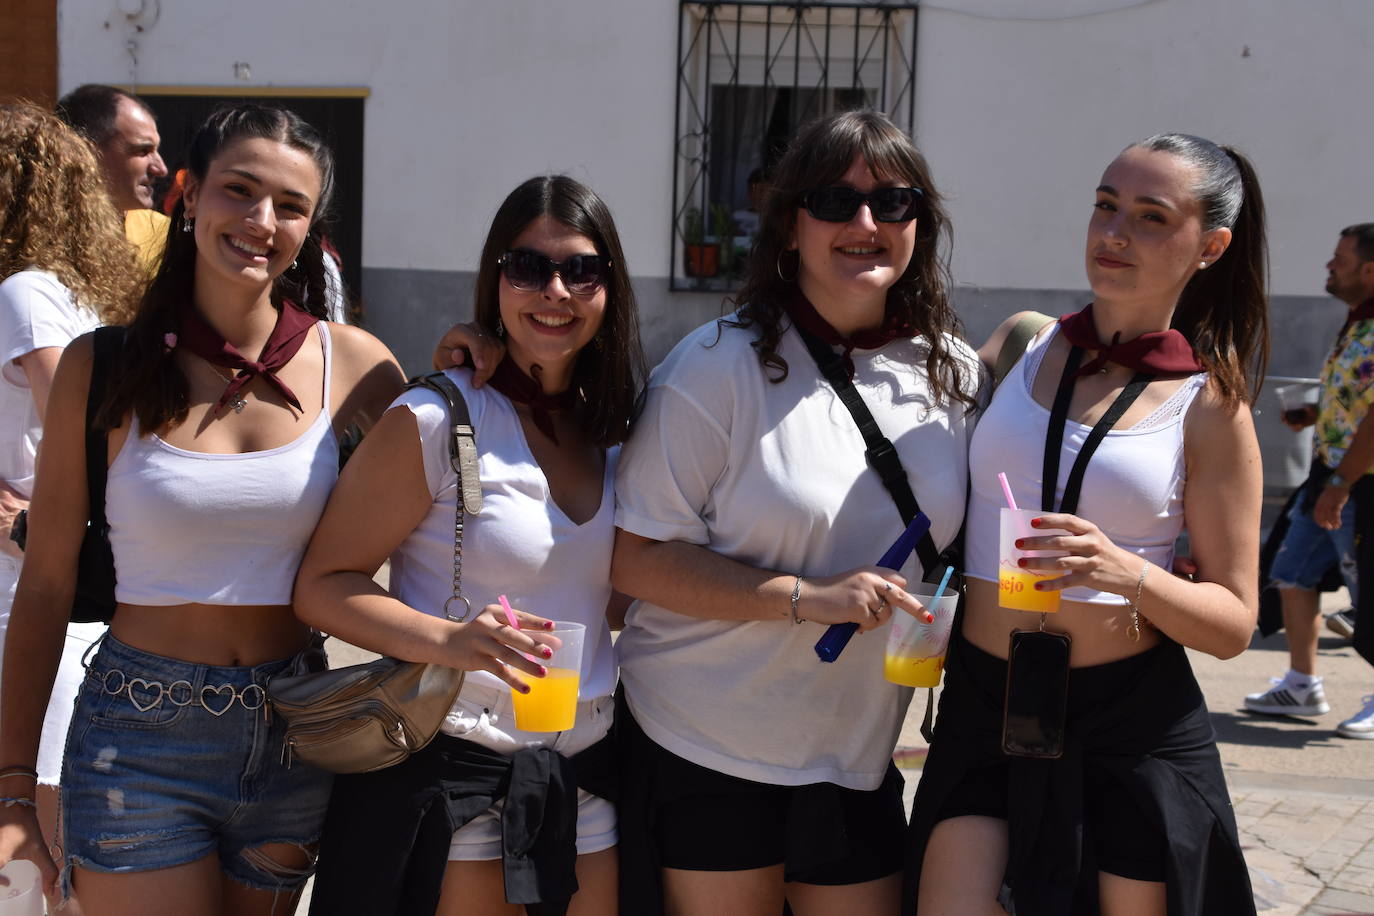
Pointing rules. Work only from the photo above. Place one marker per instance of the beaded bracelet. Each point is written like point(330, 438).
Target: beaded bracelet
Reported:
point(1133, 630)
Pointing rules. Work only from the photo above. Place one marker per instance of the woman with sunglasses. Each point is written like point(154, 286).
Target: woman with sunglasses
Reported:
point(1143, 401)
point(426, 835)
point(749, 519)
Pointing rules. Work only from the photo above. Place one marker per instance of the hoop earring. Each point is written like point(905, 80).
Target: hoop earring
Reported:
point(188, 224)
point(778, 264)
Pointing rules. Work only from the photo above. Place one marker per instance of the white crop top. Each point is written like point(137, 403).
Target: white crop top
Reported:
point(192, 527)
point(1133, 489)
point(522, 545)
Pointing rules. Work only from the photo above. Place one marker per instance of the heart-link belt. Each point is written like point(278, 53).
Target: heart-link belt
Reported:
point(216, 700)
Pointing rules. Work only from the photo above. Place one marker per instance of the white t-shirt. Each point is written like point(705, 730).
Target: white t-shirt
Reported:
point(774, 475)
point(521, 545)
point(36, 311)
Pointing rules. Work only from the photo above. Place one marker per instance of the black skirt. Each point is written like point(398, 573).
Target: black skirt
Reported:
point(1138, 725)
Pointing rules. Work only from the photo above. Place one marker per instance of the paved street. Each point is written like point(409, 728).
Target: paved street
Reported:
point(1304, 797)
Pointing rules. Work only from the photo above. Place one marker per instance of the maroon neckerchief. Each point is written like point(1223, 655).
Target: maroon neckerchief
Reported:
point(511, 380)
point(287, 336)
point(1156, 352)
point(805, 316)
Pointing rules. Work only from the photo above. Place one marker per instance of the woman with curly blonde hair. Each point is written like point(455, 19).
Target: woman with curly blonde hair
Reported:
point(65, 267)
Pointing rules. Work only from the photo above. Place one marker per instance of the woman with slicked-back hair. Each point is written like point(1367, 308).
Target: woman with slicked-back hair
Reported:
point(223, 410)
point(749, 522)
point(1074, 768)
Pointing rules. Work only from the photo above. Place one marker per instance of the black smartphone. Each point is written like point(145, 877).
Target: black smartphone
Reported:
point(1037, 694)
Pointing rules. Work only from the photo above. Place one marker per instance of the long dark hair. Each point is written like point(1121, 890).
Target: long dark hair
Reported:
point(149, 381)
point(610, 371)
point(819, 155)
point(1224, 310)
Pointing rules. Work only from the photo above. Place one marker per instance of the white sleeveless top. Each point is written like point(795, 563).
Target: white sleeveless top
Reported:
point(1133, 489)
point(192, 527)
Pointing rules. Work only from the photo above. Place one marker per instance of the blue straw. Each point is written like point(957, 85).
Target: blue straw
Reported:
point(949, 571)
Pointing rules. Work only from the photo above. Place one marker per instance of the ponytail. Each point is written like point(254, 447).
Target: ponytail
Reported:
point(1224, 310)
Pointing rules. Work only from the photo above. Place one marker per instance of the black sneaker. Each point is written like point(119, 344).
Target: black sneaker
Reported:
point(1342, 623)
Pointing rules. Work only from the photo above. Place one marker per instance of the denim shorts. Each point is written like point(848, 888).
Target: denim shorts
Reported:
point(1309, 550)
point(169, 761)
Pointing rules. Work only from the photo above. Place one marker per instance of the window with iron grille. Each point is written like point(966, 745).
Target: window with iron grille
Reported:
point(749, 74)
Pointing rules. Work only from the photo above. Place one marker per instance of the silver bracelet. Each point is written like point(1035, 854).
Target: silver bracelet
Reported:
point(1133, 630)
point(796, 596)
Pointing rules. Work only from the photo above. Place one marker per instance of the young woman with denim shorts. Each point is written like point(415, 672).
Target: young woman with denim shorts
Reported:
point(223, 413)
point(427, 835)
point(1133, 815)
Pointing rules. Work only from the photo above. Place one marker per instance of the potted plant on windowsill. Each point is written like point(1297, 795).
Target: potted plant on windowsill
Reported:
point(699, 258)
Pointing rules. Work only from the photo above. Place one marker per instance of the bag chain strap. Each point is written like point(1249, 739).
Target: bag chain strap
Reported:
point(458, 558)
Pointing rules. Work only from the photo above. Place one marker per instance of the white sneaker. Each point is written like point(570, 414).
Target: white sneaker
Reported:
point(1360, 725)
point(1284, 699)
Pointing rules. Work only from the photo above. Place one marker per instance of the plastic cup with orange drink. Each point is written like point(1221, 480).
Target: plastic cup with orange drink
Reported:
point(916, 646)
point(551, 704)
point(1015, 584)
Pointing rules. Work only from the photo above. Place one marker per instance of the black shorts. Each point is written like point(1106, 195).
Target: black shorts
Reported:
point(1125, 841)
point(705, 820)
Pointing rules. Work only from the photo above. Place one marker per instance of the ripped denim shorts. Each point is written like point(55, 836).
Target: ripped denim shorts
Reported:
point(169, 761)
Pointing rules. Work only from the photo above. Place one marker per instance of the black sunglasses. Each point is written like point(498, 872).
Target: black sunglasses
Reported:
point(839, 204)
point(527, 271)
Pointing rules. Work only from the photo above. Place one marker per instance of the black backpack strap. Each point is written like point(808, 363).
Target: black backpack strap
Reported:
point(878, 449)
point(462, 446)
point(105, 344)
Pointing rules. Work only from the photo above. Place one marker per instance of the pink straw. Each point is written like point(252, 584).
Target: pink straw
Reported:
point(510, 615)
point(1021, 530)
point(1006, 491)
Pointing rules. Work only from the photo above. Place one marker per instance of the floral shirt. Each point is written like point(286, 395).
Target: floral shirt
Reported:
point(1347, 391)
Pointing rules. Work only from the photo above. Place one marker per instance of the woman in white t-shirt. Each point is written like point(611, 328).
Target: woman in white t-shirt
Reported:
point(427, 835)
point(65, 268)
point(748, 518)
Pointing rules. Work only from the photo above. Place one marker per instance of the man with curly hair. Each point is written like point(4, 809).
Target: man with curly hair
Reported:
point(1333, 520)
point(123, 131)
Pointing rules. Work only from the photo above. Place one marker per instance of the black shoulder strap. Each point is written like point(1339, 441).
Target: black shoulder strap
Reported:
point(462, 445)
point(105, 344)
point(879, 451)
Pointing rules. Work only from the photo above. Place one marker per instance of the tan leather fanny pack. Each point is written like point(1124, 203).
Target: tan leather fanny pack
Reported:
point(370, 716)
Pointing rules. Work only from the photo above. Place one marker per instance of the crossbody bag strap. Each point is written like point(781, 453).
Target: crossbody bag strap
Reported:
point(105, 344)
point(878, 449)
point(462, 457)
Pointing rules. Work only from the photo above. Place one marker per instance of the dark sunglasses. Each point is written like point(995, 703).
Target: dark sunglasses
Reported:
point(839, 204)
point(528, 271)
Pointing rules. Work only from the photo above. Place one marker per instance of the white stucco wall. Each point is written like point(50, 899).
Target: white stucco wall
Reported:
point(1017, 117)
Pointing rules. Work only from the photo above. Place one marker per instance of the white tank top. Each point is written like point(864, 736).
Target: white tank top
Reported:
point(191, 527)
point(1133, 489)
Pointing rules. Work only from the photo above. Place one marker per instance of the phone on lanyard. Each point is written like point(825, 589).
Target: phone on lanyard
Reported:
point(1033, 721)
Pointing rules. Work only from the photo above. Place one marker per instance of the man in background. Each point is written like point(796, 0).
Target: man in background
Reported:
point(1331, 521)
point(123, 131)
